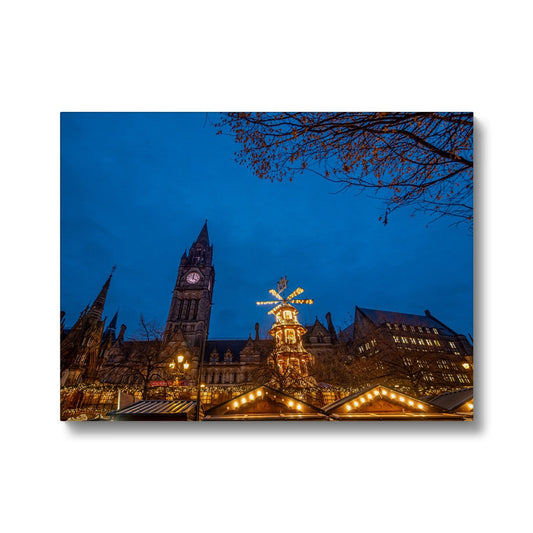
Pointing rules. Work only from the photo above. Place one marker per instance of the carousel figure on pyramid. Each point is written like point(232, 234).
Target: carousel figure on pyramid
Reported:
point(289, 360)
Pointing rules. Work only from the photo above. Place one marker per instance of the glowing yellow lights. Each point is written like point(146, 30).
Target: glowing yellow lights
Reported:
point(243, 400)
point(420, 406)
point(384, 392)
point(259, 393)
point(466, 366)
point(363, 400)
point(299, 407)
point(171, 365)
point(186, 366)
point(180, 358)
point(410, 402)
point(376, 392)
point(291, 403)
point(470, 405)
point(356, 404)
point(393, 395)
point(402, 399)
point(202, 385)
point(252, 397)
point(369, 396)
point(294, 293)
point(275, 294)
point(235, 404)
point(348, 407)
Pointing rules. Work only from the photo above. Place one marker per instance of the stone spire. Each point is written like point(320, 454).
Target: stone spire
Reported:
point(203, 238)
point(97, 307)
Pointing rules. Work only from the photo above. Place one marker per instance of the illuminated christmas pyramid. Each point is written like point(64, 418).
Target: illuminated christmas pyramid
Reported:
point(289, 361)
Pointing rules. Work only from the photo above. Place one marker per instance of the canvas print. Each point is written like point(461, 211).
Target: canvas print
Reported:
point(343, 250)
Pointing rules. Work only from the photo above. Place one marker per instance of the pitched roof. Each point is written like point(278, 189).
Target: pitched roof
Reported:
point(453, 400)
point(379, 318)
point(382, 403)
point(315, 329)
point(265, 403)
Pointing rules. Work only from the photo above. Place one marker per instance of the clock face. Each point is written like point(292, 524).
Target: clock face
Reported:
point(193, 277)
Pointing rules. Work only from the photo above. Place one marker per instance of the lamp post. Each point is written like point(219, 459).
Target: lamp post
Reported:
point(179, 367)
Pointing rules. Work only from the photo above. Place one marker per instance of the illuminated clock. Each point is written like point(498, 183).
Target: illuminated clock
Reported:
point(193, 277)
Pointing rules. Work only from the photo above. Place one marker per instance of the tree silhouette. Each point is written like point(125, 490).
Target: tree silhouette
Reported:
point(422, 160)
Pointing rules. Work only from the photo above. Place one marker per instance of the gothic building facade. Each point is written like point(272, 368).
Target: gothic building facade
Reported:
point(436, 357)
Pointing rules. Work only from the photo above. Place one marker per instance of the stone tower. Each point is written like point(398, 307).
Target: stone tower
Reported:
point(190, 308)
point(80, 349)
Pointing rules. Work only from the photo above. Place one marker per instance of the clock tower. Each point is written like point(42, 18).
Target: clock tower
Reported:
point(190, 308)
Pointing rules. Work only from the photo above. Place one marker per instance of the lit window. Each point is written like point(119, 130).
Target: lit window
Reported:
point(452, 344)
point(421, 342)
point(287, 315)
point(396, 339)
point(413, 341)
point(404, 340)
point(436, 331)
point(437, 343)
point(428, 342)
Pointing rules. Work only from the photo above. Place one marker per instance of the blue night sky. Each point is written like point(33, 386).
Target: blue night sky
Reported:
point(136, 189)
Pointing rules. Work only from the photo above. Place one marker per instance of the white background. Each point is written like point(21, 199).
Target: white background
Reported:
point(290, 55)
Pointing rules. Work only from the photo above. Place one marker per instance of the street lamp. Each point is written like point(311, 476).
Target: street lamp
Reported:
point(179, 367)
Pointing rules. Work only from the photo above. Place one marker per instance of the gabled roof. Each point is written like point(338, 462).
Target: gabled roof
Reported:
point(265, 403)
point(382, 403)
point(315, 329)
point(378, 318)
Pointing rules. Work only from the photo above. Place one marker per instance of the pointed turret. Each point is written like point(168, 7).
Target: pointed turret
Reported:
point(97, 307)
point(331, 328)
point(110, 330)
